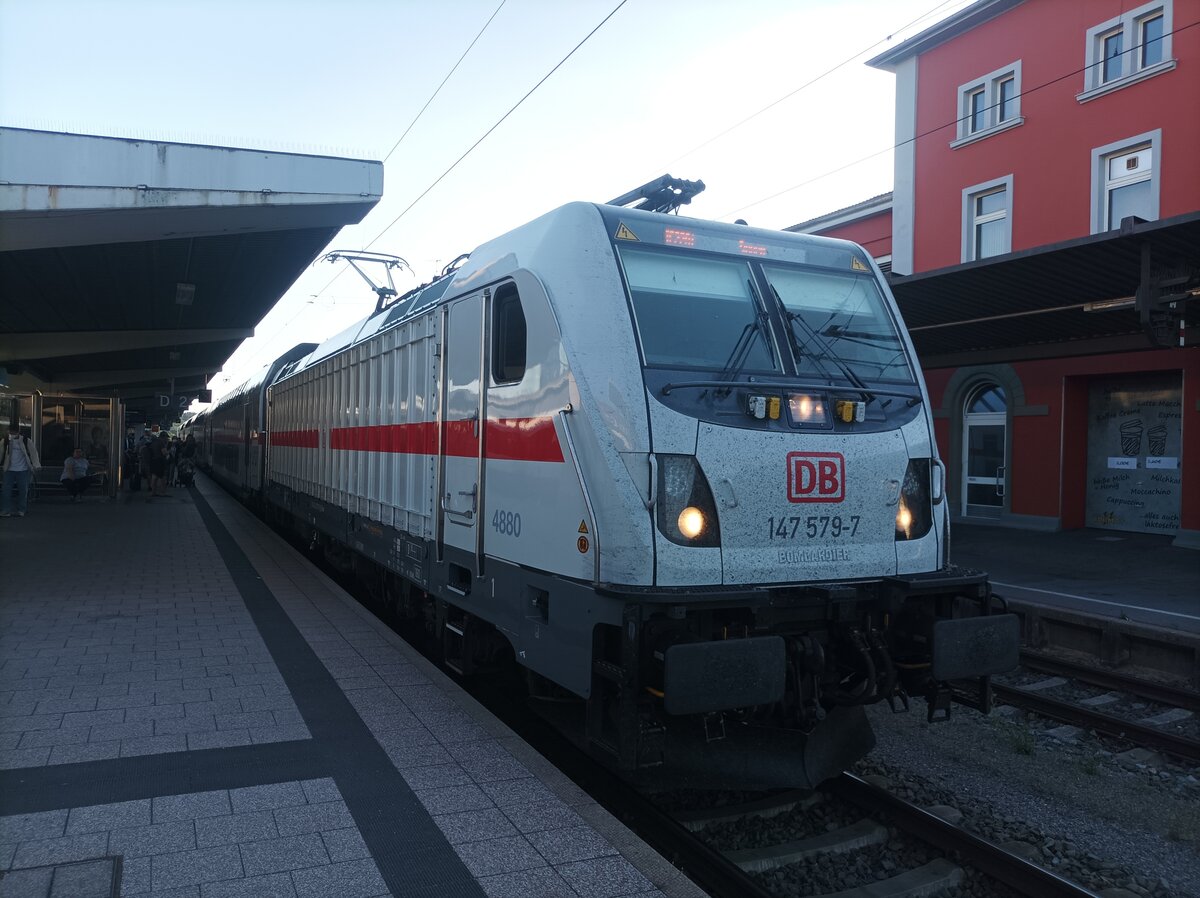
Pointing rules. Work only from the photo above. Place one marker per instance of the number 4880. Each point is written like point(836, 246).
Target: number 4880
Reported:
point(507, 522)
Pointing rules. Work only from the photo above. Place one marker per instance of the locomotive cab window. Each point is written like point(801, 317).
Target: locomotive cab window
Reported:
point(697, 312)
point(508, 336)
point(839, 322)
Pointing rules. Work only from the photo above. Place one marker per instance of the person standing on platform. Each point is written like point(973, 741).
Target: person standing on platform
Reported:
point(19, 459)
point(146, 447)
point(159, 451)
point(75, 475)
point(131, 463)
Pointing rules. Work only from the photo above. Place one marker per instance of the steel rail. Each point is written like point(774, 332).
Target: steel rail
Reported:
point(1016, 872)
point(706, 866)
point(1151, 737)
point(1161, 693)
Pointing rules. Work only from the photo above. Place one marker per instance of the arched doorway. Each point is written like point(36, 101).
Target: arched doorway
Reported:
point(985, 461)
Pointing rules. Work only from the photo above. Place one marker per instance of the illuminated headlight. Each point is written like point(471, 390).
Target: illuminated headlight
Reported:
point(691, 522)
point(685, 512)
point(914, 514)
point(807, 409)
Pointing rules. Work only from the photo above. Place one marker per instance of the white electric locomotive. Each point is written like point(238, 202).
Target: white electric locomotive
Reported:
point(682, 472)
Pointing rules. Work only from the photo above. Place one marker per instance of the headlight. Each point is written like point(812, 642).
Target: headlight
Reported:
point(914, 514)
point(685, 512)
point(804, 409)
point(691, 522)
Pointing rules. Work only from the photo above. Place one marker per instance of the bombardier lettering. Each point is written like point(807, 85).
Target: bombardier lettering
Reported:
point(809, 556)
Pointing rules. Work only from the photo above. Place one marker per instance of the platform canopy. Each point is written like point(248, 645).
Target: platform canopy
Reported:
point(1128, 289)
point(135, 268)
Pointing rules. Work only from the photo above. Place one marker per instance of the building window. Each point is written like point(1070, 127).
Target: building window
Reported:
point(1124, 50)
point(987, 219)
point(1008, 99)
point(1125, 179)
point(977, 116)
point(989, 104)
point(1114, 55)
point(1151, 43)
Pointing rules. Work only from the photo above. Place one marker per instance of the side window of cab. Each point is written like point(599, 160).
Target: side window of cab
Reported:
point(509, 336)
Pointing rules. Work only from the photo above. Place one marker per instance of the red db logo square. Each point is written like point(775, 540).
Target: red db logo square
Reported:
point(816, 477)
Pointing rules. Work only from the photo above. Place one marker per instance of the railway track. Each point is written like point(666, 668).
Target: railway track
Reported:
point(949, 846)
point(1140, 732)
point(1151, 690)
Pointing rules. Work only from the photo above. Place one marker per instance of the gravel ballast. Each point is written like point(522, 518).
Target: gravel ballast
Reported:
point(1083, 807)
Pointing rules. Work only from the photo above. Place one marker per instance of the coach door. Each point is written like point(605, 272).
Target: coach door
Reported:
point(460, 436)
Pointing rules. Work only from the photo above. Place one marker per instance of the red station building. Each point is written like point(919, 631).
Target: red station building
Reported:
point(1043, 242)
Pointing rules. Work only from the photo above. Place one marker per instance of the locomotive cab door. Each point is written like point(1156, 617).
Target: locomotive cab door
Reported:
point(460, 434)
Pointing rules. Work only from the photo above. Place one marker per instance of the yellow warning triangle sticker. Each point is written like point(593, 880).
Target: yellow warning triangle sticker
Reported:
point(857, 265)
point(583, 524)
point(623, 233)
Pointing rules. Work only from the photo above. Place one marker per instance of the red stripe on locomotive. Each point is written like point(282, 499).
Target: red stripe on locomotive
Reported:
point(513, 439)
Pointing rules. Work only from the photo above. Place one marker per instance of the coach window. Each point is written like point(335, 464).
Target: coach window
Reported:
point(508, 336)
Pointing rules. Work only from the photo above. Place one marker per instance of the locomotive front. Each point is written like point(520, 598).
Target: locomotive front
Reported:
point(800, 532)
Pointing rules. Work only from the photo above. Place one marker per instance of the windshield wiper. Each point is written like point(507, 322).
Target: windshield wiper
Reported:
point(841, 332)
point(826, 351)
point(741, 349)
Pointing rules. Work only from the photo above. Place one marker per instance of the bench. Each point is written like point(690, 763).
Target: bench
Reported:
point(47, 482)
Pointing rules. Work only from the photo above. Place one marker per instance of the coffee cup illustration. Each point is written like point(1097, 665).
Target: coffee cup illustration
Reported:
point(1157, 436)
point(1131, 437)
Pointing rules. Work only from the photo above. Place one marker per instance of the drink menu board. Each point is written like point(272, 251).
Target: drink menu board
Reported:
point(1134, 448)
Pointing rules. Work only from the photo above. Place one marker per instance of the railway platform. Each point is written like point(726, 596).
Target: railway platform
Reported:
point(188, 708)
point(1137, 577)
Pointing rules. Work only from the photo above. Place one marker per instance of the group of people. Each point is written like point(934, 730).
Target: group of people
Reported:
point(160, 459)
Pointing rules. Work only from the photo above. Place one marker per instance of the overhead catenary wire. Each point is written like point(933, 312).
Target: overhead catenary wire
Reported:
point(473, 146)
point(542, 81)
point(757, 202)
point(498, 123)
point(934, 130)
point(453, 69)
point(807, 84)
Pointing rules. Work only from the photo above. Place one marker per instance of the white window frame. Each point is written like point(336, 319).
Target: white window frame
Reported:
point(989, 86)
point(1129, 26)
point(1100, 157)
point(969, 221)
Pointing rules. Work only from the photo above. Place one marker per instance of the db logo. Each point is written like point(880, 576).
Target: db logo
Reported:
point(816, 477)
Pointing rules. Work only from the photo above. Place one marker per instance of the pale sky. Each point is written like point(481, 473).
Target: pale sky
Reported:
point(644, 96)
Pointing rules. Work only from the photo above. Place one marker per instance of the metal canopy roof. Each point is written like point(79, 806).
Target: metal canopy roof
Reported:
point(135, 268)
point(1035, 303)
